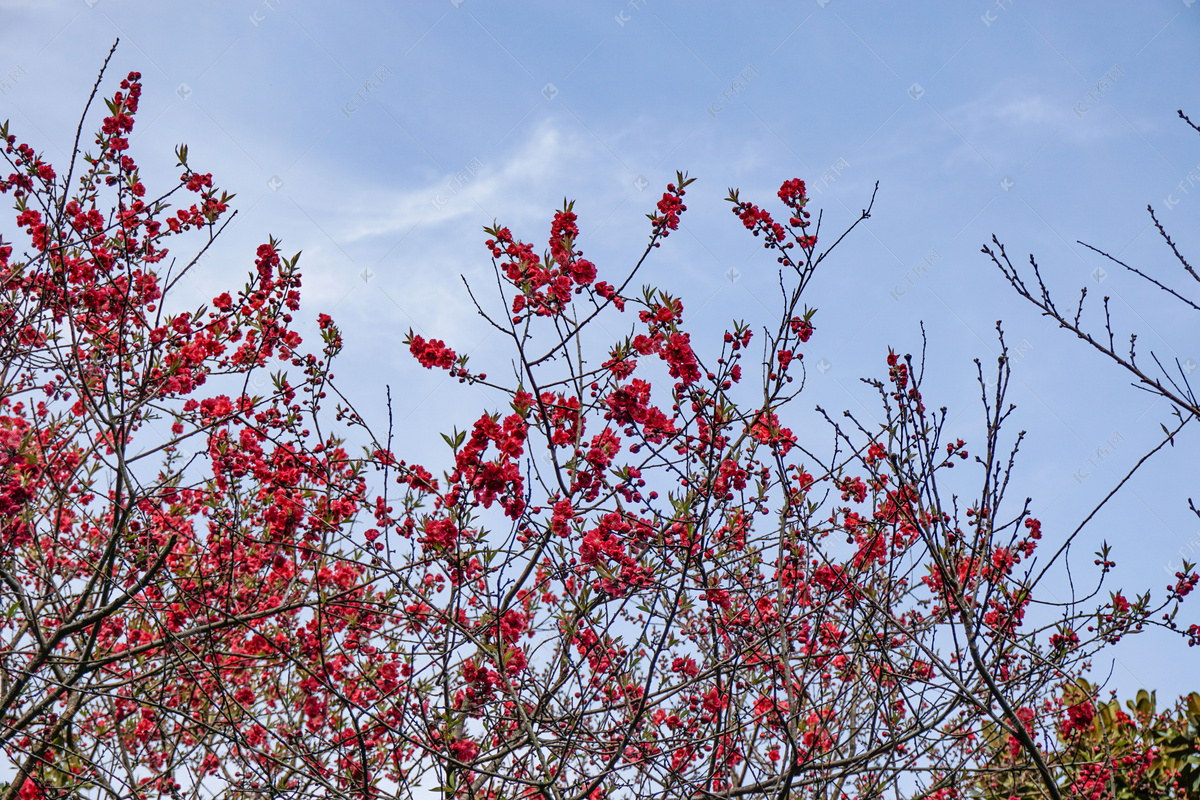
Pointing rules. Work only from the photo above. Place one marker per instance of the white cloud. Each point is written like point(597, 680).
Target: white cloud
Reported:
point(1014, 109)
point(517, 187)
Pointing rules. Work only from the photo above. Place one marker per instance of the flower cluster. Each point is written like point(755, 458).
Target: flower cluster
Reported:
point(670, 207)
point(545, 288)
point(432, 353)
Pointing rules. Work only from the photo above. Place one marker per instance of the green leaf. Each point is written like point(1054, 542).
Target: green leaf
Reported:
point(1144, 705)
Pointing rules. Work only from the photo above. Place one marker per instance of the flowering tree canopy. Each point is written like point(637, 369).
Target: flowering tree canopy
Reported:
point(631, 580)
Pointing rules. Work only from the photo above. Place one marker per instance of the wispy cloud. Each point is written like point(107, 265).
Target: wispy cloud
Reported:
point(517, 186)
point(1010, 111)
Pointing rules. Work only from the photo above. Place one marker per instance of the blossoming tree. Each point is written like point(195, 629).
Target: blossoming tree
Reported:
point(633, 580)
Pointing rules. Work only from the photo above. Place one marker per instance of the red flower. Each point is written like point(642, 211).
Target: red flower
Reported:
point(433, 353)
point(1079, 716)
point(669, 208)
point(802, 328)
point(678, 354)
point(464, 750)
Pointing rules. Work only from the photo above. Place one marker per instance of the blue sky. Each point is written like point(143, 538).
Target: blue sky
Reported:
point(379, 138)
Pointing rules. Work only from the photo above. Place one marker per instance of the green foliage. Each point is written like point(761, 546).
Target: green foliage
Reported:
point(1142, 754)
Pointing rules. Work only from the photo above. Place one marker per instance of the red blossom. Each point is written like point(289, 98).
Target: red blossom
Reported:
point(433, 353)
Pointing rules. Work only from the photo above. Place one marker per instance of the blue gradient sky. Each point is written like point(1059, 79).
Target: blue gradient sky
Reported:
point(379, 138)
